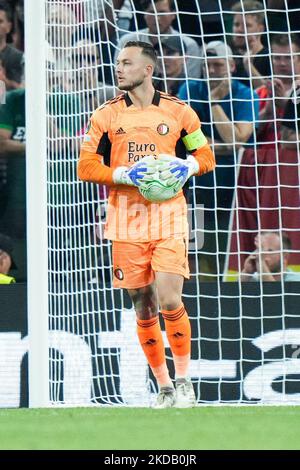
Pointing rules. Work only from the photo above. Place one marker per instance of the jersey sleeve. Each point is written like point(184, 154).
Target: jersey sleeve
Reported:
point(94, 149)
point(196, 143)
point(7, 114)
point(96, 130)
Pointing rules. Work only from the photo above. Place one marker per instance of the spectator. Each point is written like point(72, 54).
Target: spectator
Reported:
point(290, 124)
point(3, 184)
point(267, 196)
point(18, 30)
point(11, 58)
point(285, 55)
point(269, 261)
point(120, 14)
point(228, 125)
point(159, 15)
point(12, 74)
point(3, 161)
point(86, 61)
point(200, 19)
point(60, 22)
point(171, 71)
point(6, 260)
point(12, 148)
point(251, 56)
point(68, 112)
point(101, 30)
point(124, 15)
point(217, 100)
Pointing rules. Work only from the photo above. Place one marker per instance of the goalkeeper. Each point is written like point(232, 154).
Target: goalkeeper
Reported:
point(149, 239)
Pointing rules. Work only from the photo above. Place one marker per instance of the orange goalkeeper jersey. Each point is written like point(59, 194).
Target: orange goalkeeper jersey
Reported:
point(120, 134)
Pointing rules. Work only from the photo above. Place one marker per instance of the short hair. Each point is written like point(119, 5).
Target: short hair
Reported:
point(285, 39)
point(145, 4)
point(4, 6)
point(283, 236)
point(251, 7)
point(147, 49)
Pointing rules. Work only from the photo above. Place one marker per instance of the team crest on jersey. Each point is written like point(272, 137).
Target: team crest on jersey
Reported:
point(119, 274)
point(163, 129)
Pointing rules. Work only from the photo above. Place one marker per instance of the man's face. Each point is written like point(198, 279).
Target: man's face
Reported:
point(245, 25)
point(5, 25)
point(173, 62)
point(270, 246)
point(216, 70)
point(86, 61)
point(60, 26)
point(282, 60)
point(5, 262)
point(163, 21)
point(296, 59)
point(132, 68)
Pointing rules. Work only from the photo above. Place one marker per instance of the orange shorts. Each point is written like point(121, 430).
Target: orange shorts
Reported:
point(134, 264)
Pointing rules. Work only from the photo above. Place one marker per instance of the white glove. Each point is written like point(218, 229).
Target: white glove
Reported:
point(138, 173)
point(175, 170)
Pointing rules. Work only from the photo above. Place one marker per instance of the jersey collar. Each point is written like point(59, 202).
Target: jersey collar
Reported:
point(155, 101)
point(156, 98)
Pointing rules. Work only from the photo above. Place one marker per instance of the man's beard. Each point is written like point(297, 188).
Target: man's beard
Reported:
point(131, 86)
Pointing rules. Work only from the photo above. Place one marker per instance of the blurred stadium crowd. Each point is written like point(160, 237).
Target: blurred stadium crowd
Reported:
point(236, 63)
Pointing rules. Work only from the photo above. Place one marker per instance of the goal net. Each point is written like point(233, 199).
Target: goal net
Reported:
point(238, 70)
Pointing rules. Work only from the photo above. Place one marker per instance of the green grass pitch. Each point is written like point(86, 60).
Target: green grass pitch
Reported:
point(140, 428)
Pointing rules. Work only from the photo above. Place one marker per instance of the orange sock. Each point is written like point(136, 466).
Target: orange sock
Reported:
point(151, 340)
point(178, 330)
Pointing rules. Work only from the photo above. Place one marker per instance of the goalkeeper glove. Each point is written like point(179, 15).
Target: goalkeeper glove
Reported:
point(175, 170)
point(140, 172)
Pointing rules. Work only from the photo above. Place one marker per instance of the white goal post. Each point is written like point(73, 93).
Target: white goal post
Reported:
point(36, 174)
point(83, 350)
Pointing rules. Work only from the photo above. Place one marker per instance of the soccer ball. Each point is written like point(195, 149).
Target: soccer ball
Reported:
point(158, 191)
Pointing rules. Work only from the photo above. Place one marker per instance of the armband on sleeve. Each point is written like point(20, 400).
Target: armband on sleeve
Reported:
point(194, 140)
